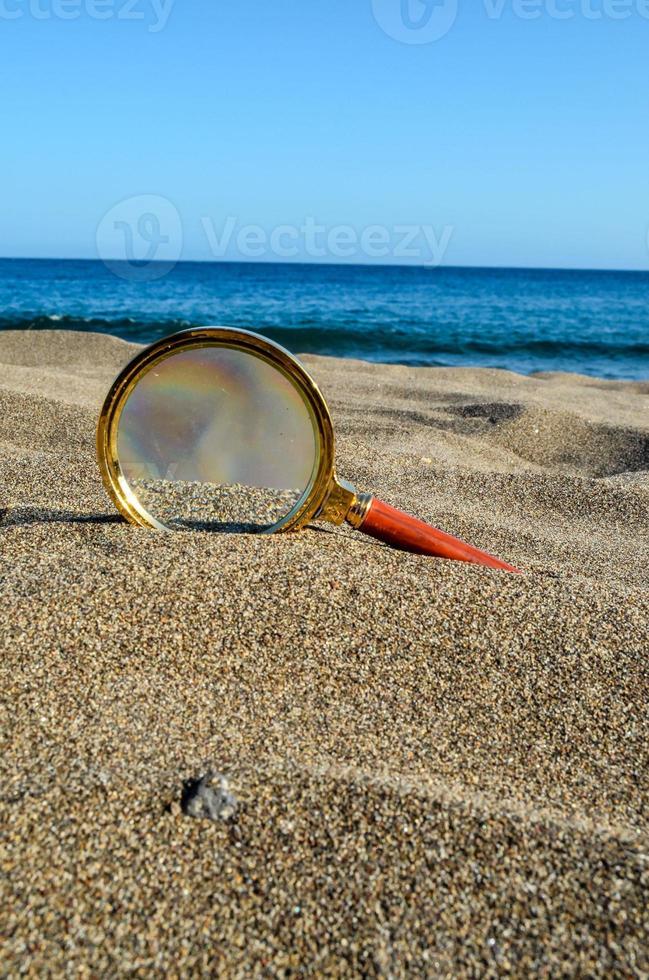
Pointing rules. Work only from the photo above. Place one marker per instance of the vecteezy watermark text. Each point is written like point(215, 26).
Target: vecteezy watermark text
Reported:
point(425, 21)
point(317, 241)
point(154, 13)
point(568, 9)
point(141, 239)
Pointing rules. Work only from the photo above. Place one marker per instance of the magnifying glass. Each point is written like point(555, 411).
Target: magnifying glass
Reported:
point(221, 429)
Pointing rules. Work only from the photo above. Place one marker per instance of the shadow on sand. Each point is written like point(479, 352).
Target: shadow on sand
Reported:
point(22, 516)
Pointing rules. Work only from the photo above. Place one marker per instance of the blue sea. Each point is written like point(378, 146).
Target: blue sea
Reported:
point(594, 323)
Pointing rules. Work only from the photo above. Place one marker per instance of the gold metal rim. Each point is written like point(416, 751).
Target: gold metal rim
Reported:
point(359, 509)
point(324, 484)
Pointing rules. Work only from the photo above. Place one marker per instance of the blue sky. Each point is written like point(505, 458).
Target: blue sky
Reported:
point(520, 136)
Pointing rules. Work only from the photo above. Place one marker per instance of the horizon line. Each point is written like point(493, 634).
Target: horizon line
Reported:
point(336, 265)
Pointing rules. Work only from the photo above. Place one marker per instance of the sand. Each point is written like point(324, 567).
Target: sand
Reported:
point(416, 767)
point(197, 505)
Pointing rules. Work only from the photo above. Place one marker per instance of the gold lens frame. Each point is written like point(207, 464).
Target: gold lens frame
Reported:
point(326, 497)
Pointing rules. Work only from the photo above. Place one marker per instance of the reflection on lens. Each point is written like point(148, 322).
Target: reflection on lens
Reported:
point(217, 438)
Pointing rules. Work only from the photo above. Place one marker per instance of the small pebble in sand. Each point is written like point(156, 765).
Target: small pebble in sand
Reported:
point(209, 798)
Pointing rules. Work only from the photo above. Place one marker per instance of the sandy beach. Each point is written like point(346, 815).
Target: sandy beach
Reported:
point(434, 769)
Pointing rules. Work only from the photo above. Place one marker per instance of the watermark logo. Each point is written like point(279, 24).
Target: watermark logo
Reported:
point(415, 21)
point(154, 13)
point(141, 238)
point(425, 21)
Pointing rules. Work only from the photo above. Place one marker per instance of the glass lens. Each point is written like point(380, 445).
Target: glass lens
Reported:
point(217, 438)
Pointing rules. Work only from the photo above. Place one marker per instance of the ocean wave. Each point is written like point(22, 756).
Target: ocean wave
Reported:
point(319, 339)
point(401, 345)
point(128, 328)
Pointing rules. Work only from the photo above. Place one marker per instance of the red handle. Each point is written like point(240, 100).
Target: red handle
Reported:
point(410, 534)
